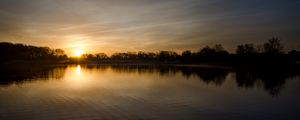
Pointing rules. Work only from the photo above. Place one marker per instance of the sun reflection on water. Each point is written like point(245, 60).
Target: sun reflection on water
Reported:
point(76, 77)
point(78, 70)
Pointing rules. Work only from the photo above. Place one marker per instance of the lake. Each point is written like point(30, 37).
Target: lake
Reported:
point(143, 92)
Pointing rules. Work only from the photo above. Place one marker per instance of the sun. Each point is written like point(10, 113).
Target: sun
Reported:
point(78, 53)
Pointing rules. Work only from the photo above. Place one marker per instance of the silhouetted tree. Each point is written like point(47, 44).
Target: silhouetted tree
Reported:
point(186, 53)
point(219, 48)
point(101, 56)
point(245, 49)
point(124, 56)
point(168, 56)
point(88, 56)
point(187, 56)
point(146, 55)
point(273, 46)
point(215, 54)
point(206, 51)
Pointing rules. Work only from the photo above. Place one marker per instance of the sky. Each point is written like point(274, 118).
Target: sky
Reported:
point(148, 25)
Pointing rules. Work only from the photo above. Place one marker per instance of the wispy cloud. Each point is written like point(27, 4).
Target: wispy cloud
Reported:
point(117, 25)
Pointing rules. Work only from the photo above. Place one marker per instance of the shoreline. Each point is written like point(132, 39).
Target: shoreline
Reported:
point(229, 66)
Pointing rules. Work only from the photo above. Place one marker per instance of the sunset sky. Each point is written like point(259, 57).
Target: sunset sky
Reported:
point(148, 25)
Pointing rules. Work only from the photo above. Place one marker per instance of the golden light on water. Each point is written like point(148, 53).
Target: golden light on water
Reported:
point(76, 77)
point(76, 73)
point(78, 70)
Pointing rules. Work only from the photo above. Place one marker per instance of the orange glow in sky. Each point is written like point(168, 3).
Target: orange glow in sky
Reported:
point(78, 52)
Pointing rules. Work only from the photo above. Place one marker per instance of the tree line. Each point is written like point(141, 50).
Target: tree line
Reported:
point(10, 51)
point(270, 52)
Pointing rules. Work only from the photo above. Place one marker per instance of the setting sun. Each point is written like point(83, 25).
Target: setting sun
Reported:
point(78, 52)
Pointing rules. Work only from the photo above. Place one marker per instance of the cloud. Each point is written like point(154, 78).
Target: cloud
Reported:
point(112, 25)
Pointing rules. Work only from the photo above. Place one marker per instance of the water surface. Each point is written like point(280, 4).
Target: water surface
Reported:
point(119, 92)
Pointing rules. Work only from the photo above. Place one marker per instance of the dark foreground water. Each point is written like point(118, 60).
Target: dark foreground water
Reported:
point(147, 93)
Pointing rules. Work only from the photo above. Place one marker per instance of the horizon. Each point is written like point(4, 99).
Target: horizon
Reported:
point(80, 52)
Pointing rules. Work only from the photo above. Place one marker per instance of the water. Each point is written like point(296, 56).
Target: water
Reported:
point(79, 92)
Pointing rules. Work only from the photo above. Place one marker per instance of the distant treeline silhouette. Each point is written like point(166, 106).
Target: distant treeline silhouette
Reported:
point(270, 52)
point(9, 52)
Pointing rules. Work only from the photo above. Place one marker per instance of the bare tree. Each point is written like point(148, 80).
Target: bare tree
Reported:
point(273, 46)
